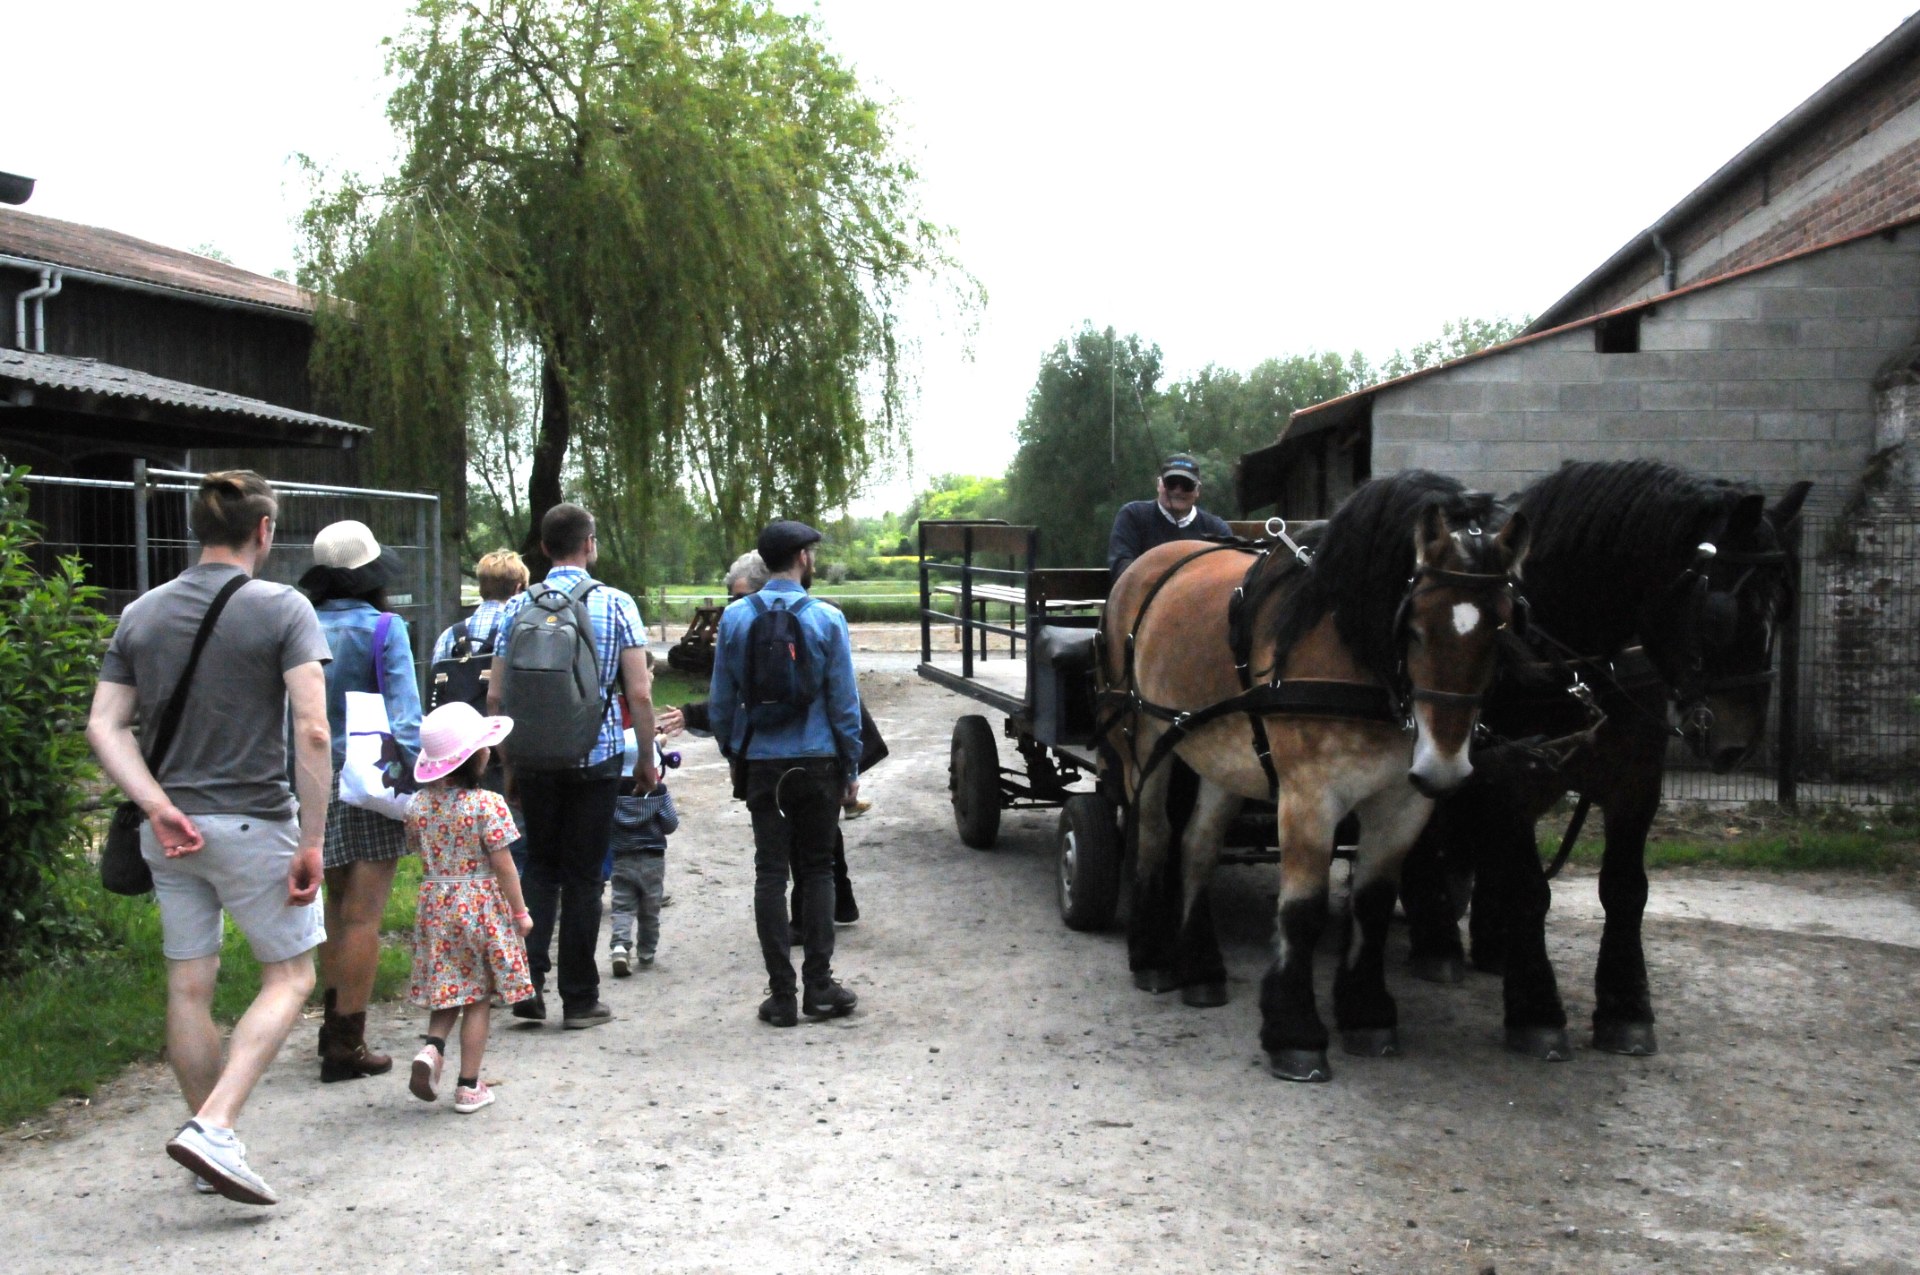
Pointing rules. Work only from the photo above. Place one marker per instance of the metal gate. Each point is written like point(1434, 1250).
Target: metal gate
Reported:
point(133, 535)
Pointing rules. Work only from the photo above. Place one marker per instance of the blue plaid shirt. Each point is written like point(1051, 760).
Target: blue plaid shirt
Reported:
point(484, 624)
point(616, 626)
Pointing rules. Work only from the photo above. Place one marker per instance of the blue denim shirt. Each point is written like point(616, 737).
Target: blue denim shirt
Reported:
point(831, 727)
point(349, 626)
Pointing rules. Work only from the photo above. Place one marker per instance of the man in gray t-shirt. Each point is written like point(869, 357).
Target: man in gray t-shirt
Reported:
point(223, 832)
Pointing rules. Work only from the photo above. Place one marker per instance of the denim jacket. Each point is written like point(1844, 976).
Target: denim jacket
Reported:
point(349, 626)
point(831, 727)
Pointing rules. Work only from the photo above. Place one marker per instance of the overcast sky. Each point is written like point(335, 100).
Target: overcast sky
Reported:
point(1231, 180)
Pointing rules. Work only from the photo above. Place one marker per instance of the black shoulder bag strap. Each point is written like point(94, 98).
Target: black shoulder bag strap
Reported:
point(177, 702)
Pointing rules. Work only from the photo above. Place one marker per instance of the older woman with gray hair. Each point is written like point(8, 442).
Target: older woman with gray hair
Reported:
point(745, 578)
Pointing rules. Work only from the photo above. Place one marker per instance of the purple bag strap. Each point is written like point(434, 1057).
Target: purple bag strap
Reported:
point(381, 628)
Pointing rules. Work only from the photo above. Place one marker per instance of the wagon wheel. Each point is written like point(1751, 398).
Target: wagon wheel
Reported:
point(1089, 862)
point(973, 777)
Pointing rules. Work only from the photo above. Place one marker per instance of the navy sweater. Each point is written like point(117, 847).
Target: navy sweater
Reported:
point(1141, 525)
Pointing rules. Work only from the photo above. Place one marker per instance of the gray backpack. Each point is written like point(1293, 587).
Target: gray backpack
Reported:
point(552, 687)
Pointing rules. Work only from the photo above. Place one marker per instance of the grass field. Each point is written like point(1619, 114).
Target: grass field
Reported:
point(864, 601)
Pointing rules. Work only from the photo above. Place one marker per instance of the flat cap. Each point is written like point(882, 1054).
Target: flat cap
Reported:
point(781, 540)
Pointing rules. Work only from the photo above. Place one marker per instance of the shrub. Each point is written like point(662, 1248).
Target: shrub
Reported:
point(51, 634)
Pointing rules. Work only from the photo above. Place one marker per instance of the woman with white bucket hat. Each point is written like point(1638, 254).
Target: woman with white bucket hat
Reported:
point(371, 652)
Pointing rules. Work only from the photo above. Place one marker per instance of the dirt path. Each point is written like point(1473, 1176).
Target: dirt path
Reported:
point(1005, 1101)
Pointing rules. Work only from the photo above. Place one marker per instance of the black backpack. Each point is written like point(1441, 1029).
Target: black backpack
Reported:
point(781, 680)
point(462, 677)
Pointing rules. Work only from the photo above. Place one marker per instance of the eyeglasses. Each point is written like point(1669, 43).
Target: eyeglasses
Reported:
point(1180, 484)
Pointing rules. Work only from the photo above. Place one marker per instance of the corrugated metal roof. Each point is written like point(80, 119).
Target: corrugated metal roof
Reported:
point(94, 379)
point(118, 256)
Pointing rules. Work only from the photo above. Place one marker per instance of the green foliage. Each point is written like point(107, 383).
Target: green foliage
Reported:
point(633, 245)
point(951, 496)
point(1219, 415)
point(51, 634)
point(1458, 338)
point(1085, 443)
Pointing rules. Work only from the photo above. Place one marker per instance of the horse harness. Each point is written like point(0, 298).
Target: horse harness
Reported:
point(1307, 697)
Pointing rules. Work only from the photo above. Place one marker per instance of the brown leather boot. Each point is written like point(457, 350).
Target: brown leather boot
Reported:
point(327, 1020)
point(347, 1056)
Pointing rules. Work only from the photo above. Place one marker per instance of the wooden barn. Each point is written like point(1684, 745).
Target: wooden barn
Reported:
point(116, 352)
point(1766, 329)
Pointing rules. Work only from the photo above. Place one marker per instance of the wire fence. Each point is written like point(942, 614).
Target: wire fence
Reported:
point(133, 535)
point(1855, 685)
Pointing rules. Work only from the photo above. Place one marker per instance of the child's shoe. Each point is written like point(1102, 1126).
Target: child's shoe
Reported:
point(467, 1101)
point(425, 1082)
point(643, 958)
point(622, 960)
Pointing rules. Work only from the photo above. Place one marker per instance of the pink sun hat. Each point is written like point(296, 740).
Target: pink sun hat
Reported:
point(451, 734)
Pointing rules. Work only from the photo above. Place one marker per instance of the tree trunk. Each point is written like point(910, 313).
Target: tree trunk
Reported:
point(549, 454)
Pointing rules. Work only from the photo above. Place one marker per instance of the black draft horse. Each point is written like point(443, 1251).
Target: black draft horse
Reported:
point(1662, 591)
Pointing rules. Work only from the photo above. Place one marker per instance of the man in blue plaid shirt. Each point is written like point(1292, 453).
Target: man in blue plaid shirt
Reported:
point(569, 813)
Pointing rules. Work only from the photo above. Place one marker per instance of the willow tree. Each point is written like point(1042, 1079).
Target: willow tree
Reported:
point(685, 213)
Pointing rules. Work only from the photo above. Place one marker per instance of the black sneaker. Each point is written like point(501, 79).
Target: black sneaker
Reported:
point(779, 1010)
point(829, 1000)
point(534, 1009)
point(592, 1016)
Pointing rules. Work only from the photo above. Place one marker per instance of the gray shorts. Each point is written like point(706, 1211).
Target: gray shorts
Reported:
point(242, 868)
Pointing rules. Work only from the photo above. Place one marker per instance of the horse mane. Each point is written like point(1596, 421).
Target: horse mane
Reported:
point(1364, 557)
point(1607, 535)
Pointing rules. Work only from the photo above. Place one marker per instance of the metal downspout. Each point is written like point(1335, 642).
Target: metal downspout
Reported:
point(50, 281)
point(1669, 267)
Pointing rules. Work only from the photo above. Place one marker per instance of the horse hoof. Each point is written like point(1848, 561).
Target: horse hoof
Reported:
point(1156, 981)
point(1204, 995)
point(1632, 1039)
point(1371, 1042)
point(1306, 1065)
point(1548, 1044)
point(1440, 969)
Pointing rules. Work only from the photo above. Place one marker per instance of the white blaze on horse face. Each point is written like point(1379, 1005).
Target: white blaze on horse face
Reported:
point(1466, 618)
point(1436, 772)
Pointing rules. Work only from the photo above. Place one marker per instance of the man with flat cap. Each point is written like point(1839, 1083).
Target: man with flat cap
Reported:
point(787, 714)
point(1175, 514)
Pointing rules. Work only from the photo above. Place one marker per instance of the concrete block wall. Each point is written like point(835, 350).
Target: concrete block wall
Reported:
point(1768, 378)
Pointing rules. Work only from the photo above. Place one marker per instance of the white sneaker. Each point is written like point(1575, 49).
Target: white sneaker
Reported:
point(622, 961)
point(203, 1187)
point(467, 1101)
point(424, 1084)
point(222, 1161)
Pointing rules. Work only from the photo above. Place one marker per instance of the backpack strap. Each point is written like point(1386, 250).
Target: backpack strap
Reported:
point(177, 702)
point(381, 628)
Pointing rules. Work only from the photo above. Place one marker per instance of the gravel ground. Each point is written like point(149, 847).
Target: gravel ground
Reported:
point(1004, 1100)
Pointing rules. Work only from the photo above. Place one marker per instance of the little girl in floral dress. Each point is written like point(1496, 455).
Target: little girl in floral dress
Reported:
point(469, 949)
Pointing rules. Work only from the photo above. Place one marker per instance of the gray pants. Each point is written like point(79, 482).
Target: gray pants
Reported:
point(638, 882)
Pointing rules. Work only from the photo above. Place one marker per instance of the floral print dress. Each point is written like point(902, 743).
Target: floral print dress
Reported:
point(466, 948)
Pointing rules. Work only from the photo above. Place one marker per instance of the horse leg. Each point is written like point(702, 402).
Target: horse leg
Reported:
point(1512, 892)
point(1432, 926)
point(1200, 967)
point(1153, 922)
point(1622, 1001)
point(1390, 820)
point(1290, 1028)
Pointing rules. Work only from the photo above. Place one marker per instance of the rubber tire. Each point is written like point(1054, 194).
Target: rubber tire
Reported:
point(973, 780)
point(1089, 876)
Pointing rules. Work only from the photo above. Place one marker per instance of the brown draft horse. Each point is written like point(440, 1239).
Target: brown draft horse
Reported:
point(1351, 684)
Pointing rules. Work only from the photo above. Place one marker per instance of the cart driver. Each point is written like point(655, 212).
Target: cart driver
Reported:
point(1175, 514)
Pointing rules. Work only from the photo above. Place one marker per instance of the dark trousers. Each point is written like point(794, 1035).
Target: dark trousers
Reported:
point(842, 883)
point(569, 815)
point(795, 805)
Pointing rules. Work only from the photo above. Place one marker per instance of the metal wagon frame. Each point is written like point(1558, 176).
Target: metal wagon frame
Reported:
point(1050, 720)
